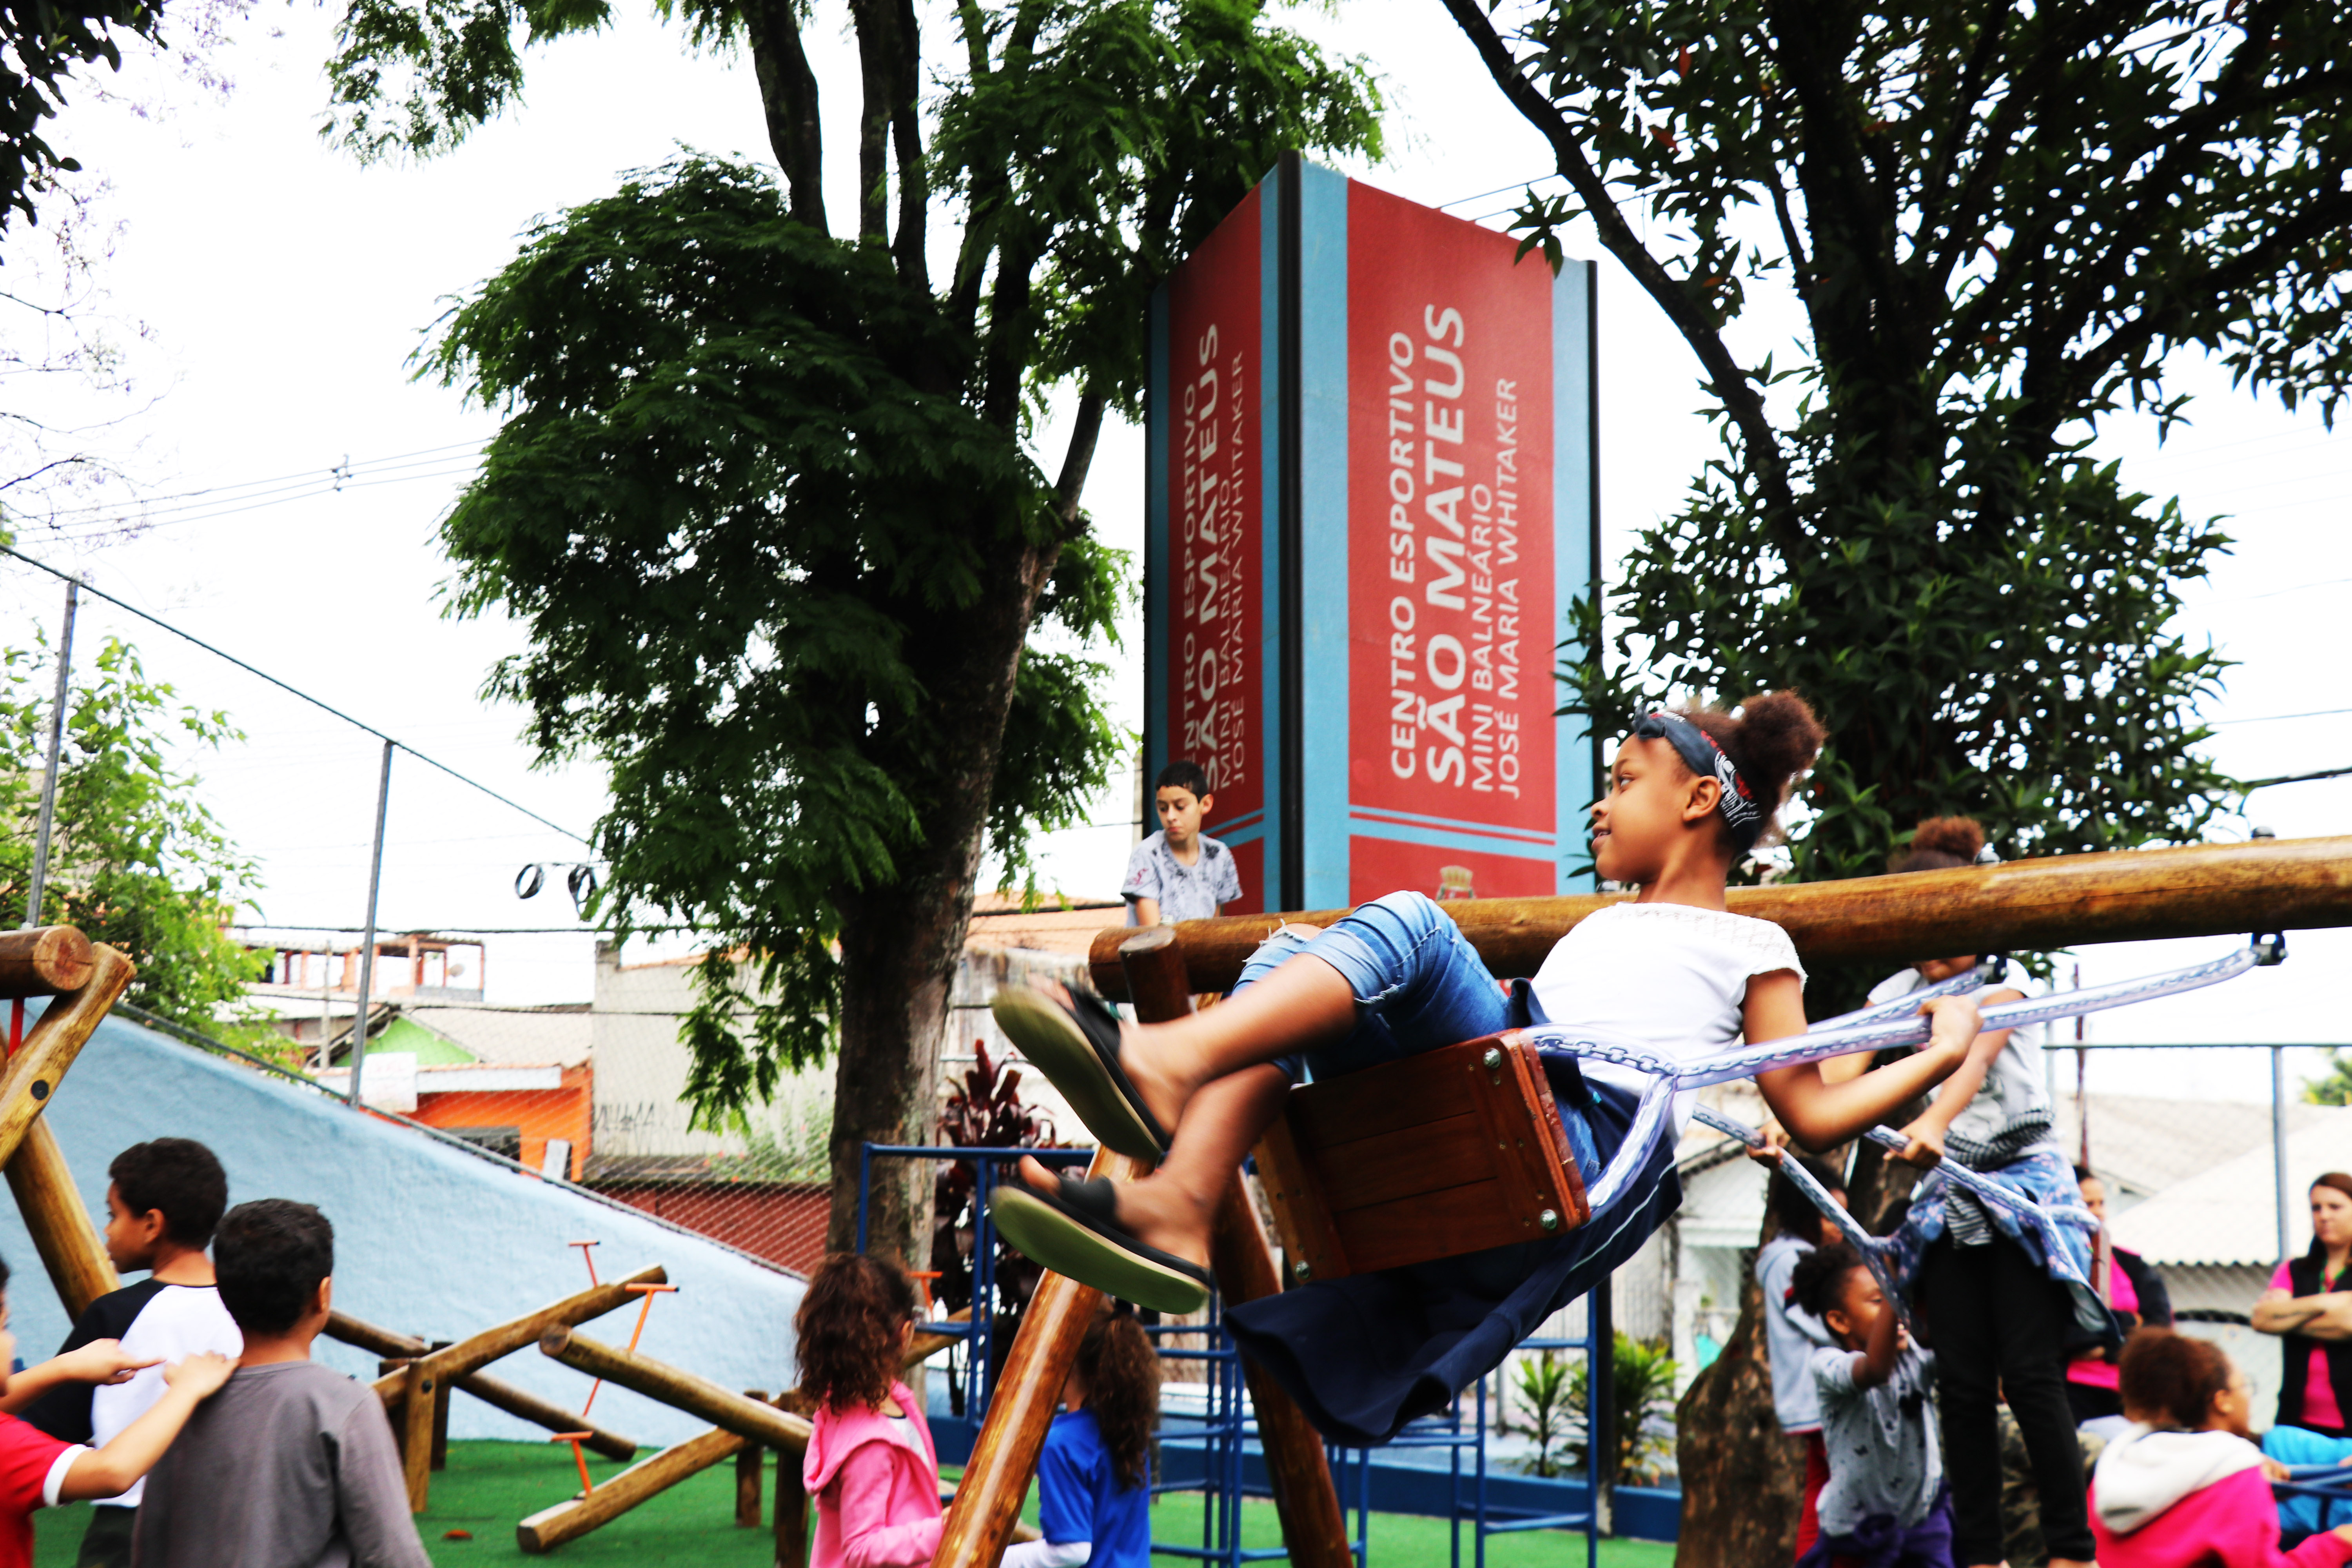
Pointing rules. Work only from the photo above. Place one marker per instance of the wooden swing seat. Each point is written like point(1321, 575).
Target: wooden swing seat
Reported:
point(1450, 1152)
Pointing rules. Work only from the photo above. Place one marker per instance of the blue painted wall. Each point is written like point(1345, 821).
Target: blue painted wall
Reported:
point(429, 1240)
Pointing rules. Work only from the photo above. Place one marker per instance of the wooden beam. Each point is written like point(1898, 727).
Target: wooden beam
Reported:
point(723, 1407)
point(473, 1355)
point(34, 1072)
point(48, 961)
point(2200, 890)
point(490, 1391)
point(58, 1222)
point(791, 1513)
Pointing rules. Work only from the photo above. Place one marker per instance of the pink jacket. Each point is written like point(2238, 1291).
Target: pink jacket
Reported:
point(876, 1491)
point(2232, 1523)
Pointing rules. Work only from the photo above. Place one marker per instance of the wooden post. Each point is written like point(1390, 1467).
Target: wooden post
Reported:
point(58, 1222)
point(441, 1416)
point(416, 1432)
point(402, 1349)
point(791, 1513)
point(1313, 1527)
point(2129, 895)
point(747, 1473)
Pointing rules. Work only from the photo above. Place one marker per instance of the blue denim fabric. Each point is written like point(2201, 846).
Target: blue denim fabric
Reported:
point(1418, 984)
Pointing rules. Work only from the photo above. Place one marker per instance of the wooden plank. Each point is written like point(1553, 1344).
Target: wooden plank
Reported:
point(34, 1073)
point(1366, 1172)
point(1392, 1097)
point(681, 1390)
point(473, 1355)
point(48, 961)
point(2199, 889)
point(791, 1513)
point(441, 1420)
point(1432, 1226)
point(58, 1222)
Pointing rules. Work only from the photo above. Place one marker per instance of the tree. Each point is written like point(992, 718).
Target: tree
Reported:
point(1997, 221)
point(137, 860)
point(762, 498)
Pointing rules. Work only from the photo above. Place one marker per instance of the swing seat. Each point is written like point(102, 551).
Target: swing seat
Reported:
point(1450, 1152)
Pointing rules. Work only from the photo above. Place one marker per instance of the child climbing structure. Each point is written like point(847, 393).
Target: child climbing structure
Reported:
point(2266, 886)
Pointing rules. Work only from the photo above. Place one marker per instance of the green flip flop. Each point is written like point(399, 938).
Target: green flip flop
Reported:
point(1076, 1048)
point(1073, 1234)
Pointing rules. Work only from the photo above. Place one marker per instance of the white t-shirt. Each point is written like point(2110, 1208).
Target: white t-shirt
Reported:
point(2014, 1085)
point(178, 1320)
point(1672, 978)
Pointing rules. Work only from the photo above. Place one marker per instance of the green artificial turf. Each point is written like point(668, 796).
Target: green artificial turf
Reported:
point(489, 1485)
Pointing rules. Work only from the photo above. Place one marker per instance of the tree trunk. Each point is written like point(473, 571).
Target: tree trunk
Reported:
point(1743, 1477)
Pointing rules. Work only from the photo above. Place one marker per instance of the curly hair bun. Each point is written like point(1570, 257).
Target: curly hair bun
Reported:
point(1940, 844)
point(1775, 738)
point(1955, 835)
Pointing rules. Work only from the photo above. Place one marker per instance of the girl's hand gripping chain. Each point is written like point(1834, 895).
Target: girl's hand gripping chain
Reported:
point(1955, 1039)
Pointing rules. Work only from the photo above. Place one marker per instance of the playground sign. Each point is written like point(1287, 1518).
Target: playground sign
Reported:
point(1372, 507)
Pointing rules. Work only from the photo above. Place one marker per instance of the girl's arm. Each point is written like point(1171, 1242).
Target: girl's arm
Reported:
point(1820, 1114)
point(1877, 1364)
point(861, 1495)
point(110, 1470)
point(100, 1361)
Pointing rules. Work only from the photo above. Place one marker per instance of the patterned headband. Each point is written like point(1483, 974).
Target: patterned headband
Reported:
point(1700, 753)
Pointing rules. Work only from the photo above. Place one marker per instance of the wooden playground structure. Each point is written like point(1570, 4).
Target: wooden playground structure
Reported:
point(1515, 1181)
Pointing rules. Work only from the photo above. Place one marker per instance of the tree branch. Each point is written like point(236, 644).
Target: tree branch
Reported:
point(1085, 436)
point(788, 97)
point(1730, 382)
point(906, 137)
point(878, 59)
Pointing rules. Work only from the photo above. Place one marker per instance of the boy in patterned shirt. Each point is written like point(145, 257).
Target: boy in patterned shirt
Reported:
point(1180, 873)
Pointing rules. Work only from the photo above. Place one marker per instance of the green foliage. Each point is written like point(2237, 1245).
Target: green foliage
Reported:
point(1546, 1394)
point(2332, 1086)
point(1997, 221)
point(763, 498)
point(137, 861)
point(1642, 1386)
point(43, 43)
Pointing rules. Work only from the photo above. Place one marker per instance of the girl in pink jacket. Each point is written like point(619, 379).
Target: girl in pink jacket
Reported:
point(870, 1465)
point(2183, 1488)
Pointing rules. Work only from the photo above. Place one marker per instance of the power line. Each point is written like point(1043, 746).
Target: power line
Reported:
point(302, 476)
point(2276, 718)
point(2297, 778)
point(296, 691)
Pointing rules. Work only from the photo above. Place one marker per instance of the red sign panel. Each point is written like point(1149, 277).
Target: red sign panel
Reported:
point(1450, 557)
point(1213, 589)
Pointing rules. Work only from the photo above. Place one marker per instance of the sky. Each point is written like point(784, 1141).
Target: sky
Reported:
point(274, 291)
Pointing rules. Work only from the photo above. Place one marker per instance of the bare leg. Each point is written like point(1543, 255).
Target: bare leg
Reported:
point(1303, 1004)
point(1172, 1208)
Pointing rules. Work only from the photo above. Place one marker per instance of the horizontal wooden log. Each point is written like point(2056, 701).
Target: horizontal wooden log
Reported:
point(48, 961)
point(576, 1516)
point(477, 1352)
point(33, 1073)
point(681, 1390)
point(2064, 900)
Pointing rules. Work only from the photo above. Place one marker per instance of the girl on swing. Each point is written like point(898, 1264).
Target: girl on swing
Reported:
point(1672, 971)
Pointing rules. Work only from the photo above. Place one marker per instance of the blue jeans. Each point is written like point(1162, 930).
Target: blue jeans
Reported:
point(1418, 984)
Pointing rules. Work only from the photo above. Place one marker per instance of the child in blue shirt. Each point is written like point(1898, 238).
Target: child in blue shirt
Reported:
point(1094, 1484)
